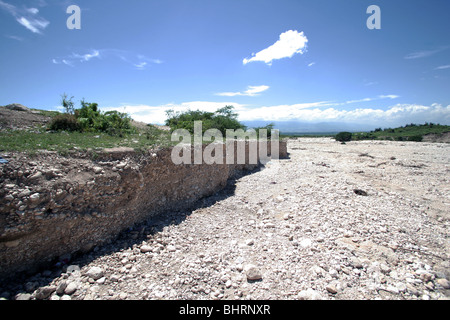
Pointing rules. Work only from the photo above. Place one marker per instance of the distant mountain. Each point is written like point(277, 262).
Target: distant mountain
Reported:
point(309, 127)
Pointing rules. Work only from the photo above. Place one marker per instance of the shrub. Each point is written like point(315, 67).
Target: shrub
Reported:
point(417, 138)
point(343, 136)
point(66, 122)
point(112, 122)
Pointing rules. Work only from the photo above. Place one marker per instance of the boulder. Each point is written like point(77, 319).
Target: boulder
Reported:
point(17, 107)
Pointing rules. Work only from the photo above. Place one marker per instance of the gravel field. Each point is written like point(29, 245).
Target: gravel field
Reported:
point(364, 220)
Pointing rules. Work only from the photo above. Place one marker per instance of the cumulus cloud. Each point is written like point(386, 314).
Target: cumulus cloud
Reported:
point(314, 112)
point(399, 114)
point(250, 92)
point(27, 17)
point(290, 43)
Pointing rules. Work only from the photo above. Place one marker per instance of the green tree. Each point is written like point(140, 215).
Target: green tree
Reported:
point(67, 103)
point(222, 119)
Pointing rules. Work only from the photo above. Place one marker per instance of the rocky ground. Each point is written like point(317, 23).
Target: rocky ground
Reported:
point(18, 117)
point(365, 220)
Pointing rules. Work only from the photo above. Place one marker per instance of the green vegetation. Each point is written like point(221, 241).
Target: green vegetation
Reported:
point(84, 129)
point(64, 142)
point(410, 132)
point(343, 137)
point(68, 104)
point(221, 120)
point(89, 129)
point(90, 119)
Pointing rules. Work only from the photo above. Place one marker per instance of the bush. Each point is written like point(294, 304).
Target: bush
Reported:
point(64, 122)
point(112, 122)
point(343, 136)
point(417, 138)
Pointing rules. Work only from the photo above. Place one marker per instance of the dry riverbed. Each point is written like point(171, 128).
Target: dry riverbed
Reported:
point(365, 220)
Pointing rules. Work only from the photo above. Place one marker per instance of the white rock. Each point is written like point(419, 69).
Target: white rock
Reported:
point(95, 273)
point(309, 294)
point(97, 170)
point(146, 248)
point(444, 283)
point(331, 289)
point(305, 243)
point(71, 288)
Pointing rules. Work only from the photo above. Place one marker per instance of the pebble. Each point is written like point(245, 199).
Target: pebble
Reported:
point(146, 248)
point(44, 292)
point(331, 289)
point(309, 294)
point(443, 283)
point(71, 288)
point(97, 170)
point(23, 296)
point(253, 273)
point(305, 243)
point(61, 287)
point(95, 273)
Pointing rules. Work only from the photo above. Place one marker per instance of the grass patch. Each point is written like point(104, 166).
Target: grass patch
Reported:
point(64, 142)
point(410, 132)
point(47, 113)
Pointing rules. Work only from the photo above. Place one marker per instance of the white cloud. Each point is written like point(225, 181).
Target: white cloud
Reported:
point(400, 114)
point(359, 100)
point(443, 67)
point(141, 66)
point(27, 17)
point(86, 56)
point(389, 96)
point(33, 10)
point(322, 111)
point(250, 92)
point(424, 53)
point(291, 42)
point(311, 64)
point(15, 38)
point(138, 61)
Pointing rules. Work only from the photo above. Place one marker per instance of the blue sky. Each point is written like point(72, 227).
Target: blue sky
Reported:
point(308, 61)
